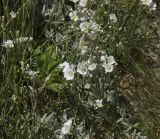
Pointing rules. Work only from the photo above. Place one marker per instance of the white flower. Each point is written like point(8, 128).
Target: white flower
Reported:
point(98, 103)
point(83, 3)
point(108, 63)
point(8, 44)
point(107, 67)
point(13, 14)
point(103, 58)
point(95, 26)
point(66, 127)
point(82, 68)
point(92, 66)
point(111, 60)
point(74, 1)
point(14, 97)
point(63, 64)
point(32, 73)
point(73, 15)
point(102, 52)
point(68, 70)
point(23, 39)
point(83, 49)
point(154, 6)
point(83, 18)
point(146, 2)
point(69, 75)
point(113, 18)
point(87, 86)
point(85, 26)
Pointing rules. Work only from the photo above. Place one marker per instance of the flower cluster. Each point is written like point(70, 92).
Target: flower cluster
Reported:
point(68, 70)
point(85, 68)
point(149, 3)
point(10, 43)
point(146, 2)
point(66, 128)
point(91, 59)
point(89, 29)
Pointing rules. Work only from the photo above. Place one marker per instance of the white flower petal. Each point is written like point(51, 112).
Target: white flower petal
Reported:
point(73, 15)
point(74, 1)
point(83, 3)
point(8, 44)
point(82, 68)
point(113, 18)
point(146, 2)
point(92, 67)
point(98, 103)
point(108, 68)
point(87, 86)
point(111, 60)
point(66, 127)
point(68, 70)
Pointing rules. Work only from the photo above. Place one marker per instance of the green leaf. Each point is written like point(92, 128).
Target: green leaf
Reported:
point(55, 87)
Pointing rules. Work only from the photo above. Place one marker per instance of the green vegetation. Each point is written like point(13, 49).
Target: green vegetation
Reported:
point(78, 69)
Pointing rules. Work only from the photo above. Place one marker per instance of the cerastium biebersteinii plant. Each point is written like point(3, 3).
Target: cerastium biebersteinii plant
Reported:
point(64, 66)
point(89, 74)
